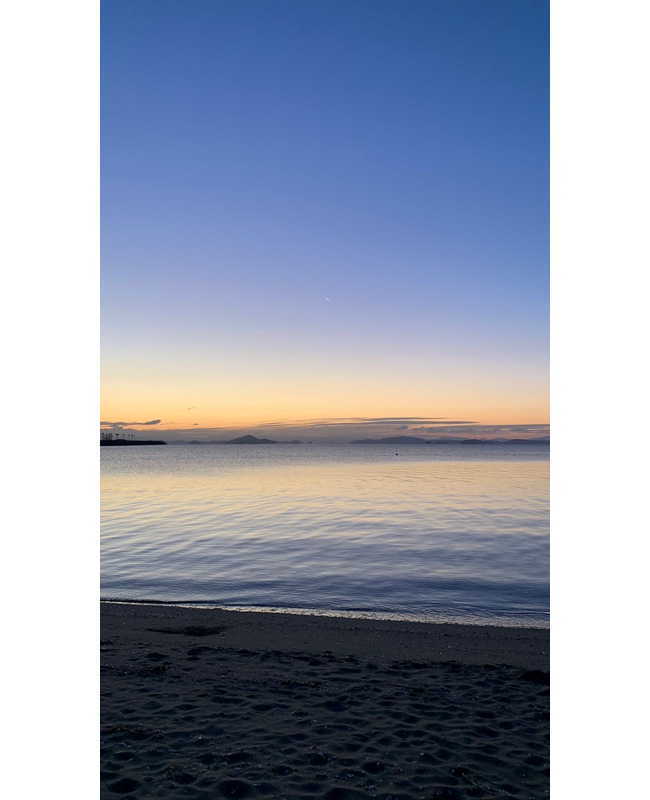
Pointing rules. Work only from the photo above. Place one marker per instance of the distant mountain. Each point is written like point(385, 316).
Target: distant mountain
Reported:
point(249, 440)
point(395, 440)
point(536, 440)
point(392, 440)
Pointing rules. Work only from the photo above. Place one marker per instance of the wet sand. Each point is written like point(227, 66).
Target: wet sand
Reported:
point(211, 704)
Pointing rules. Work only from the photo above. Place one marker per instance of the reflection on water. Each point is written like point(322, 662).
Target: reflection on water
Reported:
point(440, 534)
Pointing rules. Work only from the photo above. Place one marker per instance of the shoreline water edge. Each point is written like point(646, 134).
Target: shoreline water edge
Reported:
point(524, 621)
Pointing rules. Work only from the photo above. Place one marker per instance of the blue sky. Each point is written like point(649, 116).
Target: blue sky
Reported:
point(260, 157)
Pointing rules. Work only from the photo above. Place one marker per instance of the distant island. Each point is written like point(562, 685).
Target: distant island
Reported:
point(249, 440)
point(541, 440)
point(395, 440)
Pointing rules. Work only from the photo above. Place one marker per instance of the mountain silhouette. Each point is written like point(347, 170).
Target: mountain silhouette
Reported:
point(395, 440)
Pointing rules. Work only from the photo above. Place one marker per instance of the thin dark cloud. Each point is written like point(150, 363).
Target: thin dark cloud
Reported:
point(536, 429)
point(340, 422)
point(122, 424)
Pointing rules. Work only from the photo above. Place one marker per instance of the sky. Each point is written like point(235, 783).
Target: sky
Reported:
point(324, 211)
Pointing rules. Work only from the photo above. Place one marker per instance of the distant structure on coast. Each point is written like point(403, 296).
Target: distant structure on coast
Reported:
point(107, 440)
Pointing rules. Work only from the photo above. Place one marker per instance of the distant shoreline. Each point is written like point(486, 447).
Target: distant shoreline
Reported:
point(355, 443)
point(127, 443)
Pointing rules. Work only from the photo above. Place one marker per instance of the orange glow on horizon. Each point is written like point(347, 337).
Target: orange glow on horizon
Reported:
point(239, 395)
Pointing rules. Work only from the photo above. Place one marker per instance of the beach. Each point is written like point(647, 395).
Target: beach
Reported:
point(214, 703)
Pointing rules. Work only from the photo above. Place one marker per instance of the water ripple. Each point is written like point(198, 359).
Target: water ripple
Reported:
point(329, 528)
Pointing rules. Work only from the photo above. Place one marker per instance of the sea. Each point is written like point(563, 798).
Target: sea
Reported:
point(444, 532)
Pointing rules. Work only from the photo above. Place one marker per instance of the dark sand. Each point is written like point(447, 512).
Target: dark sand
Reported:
point(211, 704)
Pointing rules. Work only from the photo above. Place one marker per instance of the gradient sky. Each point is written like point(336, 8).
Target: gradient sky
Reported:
point(260, 157)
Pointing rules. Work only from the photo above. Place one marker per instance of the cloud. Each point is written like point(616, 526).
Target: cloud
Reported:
point(341, 422)
point(533, 429)
point(121, 424)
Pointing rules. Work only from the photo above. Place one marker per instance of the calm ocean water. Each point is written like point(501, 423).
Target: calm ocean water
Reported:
point(444, 532)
